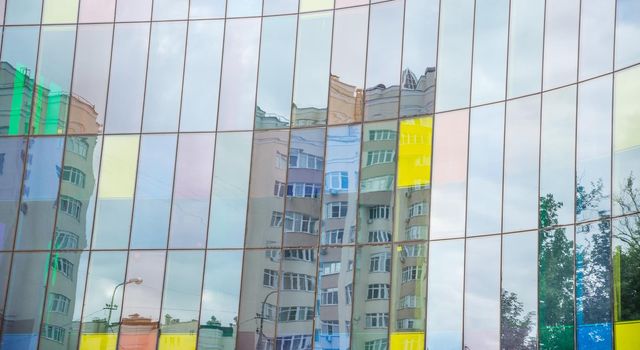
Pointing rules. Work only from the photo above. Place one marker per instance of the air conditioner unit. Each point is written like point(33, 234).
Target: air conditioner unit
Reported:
point(323, 251)
point(369, 221)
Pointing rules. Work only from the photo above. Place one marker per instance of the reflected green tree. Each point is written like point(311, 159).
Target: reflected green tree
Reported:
point(517, 324)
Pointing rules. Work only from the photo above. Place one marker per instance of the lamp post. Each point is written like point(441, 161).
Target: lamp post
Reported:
point(260, 333)
point(111, 306)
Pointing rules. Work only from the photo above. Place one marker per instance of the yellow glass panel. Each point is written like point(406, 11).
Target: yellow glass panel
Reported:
point(407, 341)
point(119, 163)
point(315, 5)
point(60, 11)
point(98, 341)
point(414, 152)
point(627, 335)
point(627, 109)
point(177, 341)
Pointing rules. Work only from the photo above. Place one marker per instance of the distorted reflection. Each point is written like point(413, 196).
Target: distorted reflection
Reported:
point(626, 264)
point(12, 150)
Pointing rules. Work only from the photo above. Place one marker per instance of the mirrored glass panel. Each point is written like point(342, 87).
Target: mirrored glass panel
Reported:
point(593, 154)
point(596, 37)
point(78, 190)
point(445, 303)
point(274, 7)
point(92, 11)
point(627, 33)
point(23, 11)
point(5, 269)
point(18, 67)
point(275, 77)
point(244, 8)
point(454, 54)
point(561, 28)
point(181, 300)
point(556, 288)
point(53, 80)
point(520, 198)
point(484, 192)
point(201, 76)
point(526, 31)
point(90, 79)
point(313, 57)
point(490, 51)
point(349, 54)
point(340, 197)
point(164, 76)
point(519, 294)
point(419, 58)
point(268, 187)
point(12, 151)
point(482, 293)
point(115, 191)
point(150, 224)
point(384, 60)
point(450, 138)
point(239, 73)
point(25, 297)
point(306, 170)
point(334, 299)
point(377, 181)
point(206, 9)
point(626, 140)
point(142, 297)
point(371, 292)
point(133, 10)
point(191, 191)
point(64, 300)
point(259, 298)
point(414, 179)
point(557, 164)
point(40, 194)
point(170, 9)
point(315, 5)
point(230, 190)
point(60, 11)
point(127, 77)
point(103, 300)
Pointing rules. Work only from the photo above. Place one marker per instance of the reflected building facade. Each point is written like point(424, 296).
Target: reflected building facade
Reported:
point(319, 174)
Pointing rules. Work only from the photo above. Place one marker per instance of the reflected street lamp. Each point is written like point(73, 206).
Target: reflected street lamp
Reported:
point(261, 335)
point(111, 306)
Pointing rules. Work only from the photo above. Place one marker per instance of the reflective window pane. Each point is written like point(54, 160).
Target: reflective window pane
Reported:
point(482, 293)
point(454, 54)
point(141, 301)
point(519, 295)
point(170, 9)
point(202, 67)
point(347, 3)
point(340, 197)
point(348, 59)
point(230, 190)
point(40, 193)
point(593, 154)
point(23, 11)
point(315, 5)
point(164, 75)
point(244, 8)
point(556, 288)
point(490, 51)
point(19, 54)
point(191, 190)
point(625, 277)
point(92, 11)
point(273, 7)
point(90, 79)
point(305, 168)
point(596, 37)
point(561, 42)
point(150, 224)
point(484, 193)
point(53, 80)
point(115, 191)
point(445, 290)
point(526, 30)
point(181, 300)
point(78, 190)
point(557, 164)
point(627, 33)
point(60, 11)
point(127, 78)
point(12, 151)
point(450, 138)
point(275, 78)
point(239, 72)
point(206, 9)
point(268, 186)
point(5, 266)
point(626, 139)
point(419, 58)
point(25, 297)
point(313, 56)
point(133, 10)
point(522, 124)
point(382, 92)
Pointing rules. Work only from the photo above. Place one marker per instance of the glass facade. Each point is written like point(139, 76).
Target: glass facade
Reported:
point(319, 174)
